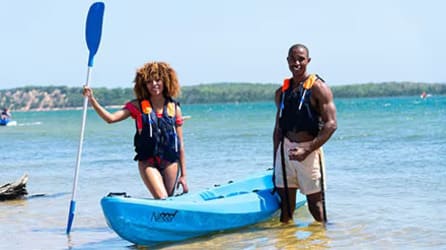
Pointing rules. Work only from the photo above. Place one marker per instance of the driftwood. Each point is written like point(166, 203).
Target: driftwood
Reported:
point(14, 190)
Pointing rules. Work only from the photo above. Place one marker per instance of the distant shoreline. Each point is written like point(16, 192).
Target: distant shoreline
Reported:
point(120, 106)
point(67, 98)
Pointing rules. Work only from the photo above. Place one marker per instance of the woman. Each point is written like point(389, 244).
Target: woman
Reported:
point(158, 139)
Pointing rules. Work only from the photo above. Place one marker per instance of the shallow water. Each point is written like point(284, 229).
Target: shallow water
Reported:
point(385, 172)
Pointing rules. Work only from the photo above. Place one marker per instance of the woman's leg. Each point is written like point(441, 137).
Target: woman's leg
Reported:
point(170, 177)
point(153, 180)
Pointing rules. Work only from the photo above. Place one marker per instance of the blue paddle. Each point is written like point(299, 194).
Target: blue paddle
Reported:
point(93, 37)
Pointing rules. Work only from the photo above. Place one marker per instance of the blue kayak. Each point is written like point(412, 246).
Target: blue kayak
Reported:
point(144, 221)
point(4, 122)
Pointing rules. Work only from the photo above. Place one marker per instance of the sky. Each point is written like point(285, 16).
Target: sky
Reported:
point(350, 42)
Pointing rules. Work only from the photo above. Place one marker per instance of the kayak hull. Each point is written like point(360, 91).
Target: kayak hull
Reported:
point(230, 206)
point(4, 122)
point(7, 122)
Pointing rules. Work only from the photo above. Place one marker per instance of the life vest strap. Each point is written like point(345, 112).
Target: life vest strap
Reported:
point(135, 113)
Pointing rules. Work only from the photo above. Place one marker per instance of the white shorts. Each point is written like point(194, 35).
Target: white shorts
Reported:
point(305, 175)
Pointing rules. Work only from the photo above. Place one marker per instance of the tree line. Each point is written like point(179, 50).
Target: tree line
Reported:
point(51, 97)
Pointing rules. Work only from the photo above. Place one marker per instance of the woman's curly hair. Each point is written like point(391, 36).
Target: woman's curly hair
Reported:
point(156, 71)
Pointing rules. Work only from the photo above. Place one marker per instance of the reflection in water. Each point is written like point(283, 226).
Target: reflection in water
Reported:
point(292, 236)
point(267, 235)
point(303, 233)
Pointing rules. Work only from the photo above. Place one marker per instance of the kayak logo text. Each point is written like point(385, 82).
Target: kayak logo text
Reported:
point(163, 216)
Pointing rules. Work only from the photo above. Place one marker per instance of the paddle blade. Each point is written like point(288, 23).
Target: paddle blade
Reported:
point(93, 29)
point(71, 216)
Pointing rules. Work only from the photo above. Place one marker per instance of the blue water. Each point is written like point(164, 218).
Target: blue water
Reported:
point(386, 166)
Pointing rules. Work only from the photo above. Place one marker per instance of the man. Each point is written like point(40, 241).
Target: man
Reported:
point(305, 120)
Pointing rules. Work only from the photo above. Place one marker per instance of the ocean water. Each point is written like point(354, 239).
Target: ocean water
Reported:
point(386, 172)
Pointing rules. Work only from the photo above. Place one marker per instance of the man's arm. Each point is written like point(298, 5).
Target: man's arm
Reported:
point(324, 99)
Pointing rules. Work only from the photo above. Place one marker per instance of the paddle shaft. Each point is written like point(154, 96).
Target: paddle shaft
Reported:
point(81, 139)
point(285, 181)
point(93, 37)
point(323, 186)
point(78, 159)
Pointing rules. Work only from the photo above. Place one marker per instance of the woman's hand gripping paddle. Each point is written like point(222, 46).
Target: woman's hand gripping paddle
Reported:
point(93, 37)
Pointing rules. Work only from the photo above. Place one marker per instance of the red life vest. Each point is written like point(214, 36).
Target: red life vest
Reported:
point(155, 135)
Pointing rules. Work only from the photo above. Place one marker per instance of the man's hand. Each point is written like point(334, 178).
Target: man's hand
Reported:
point(298, 153)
